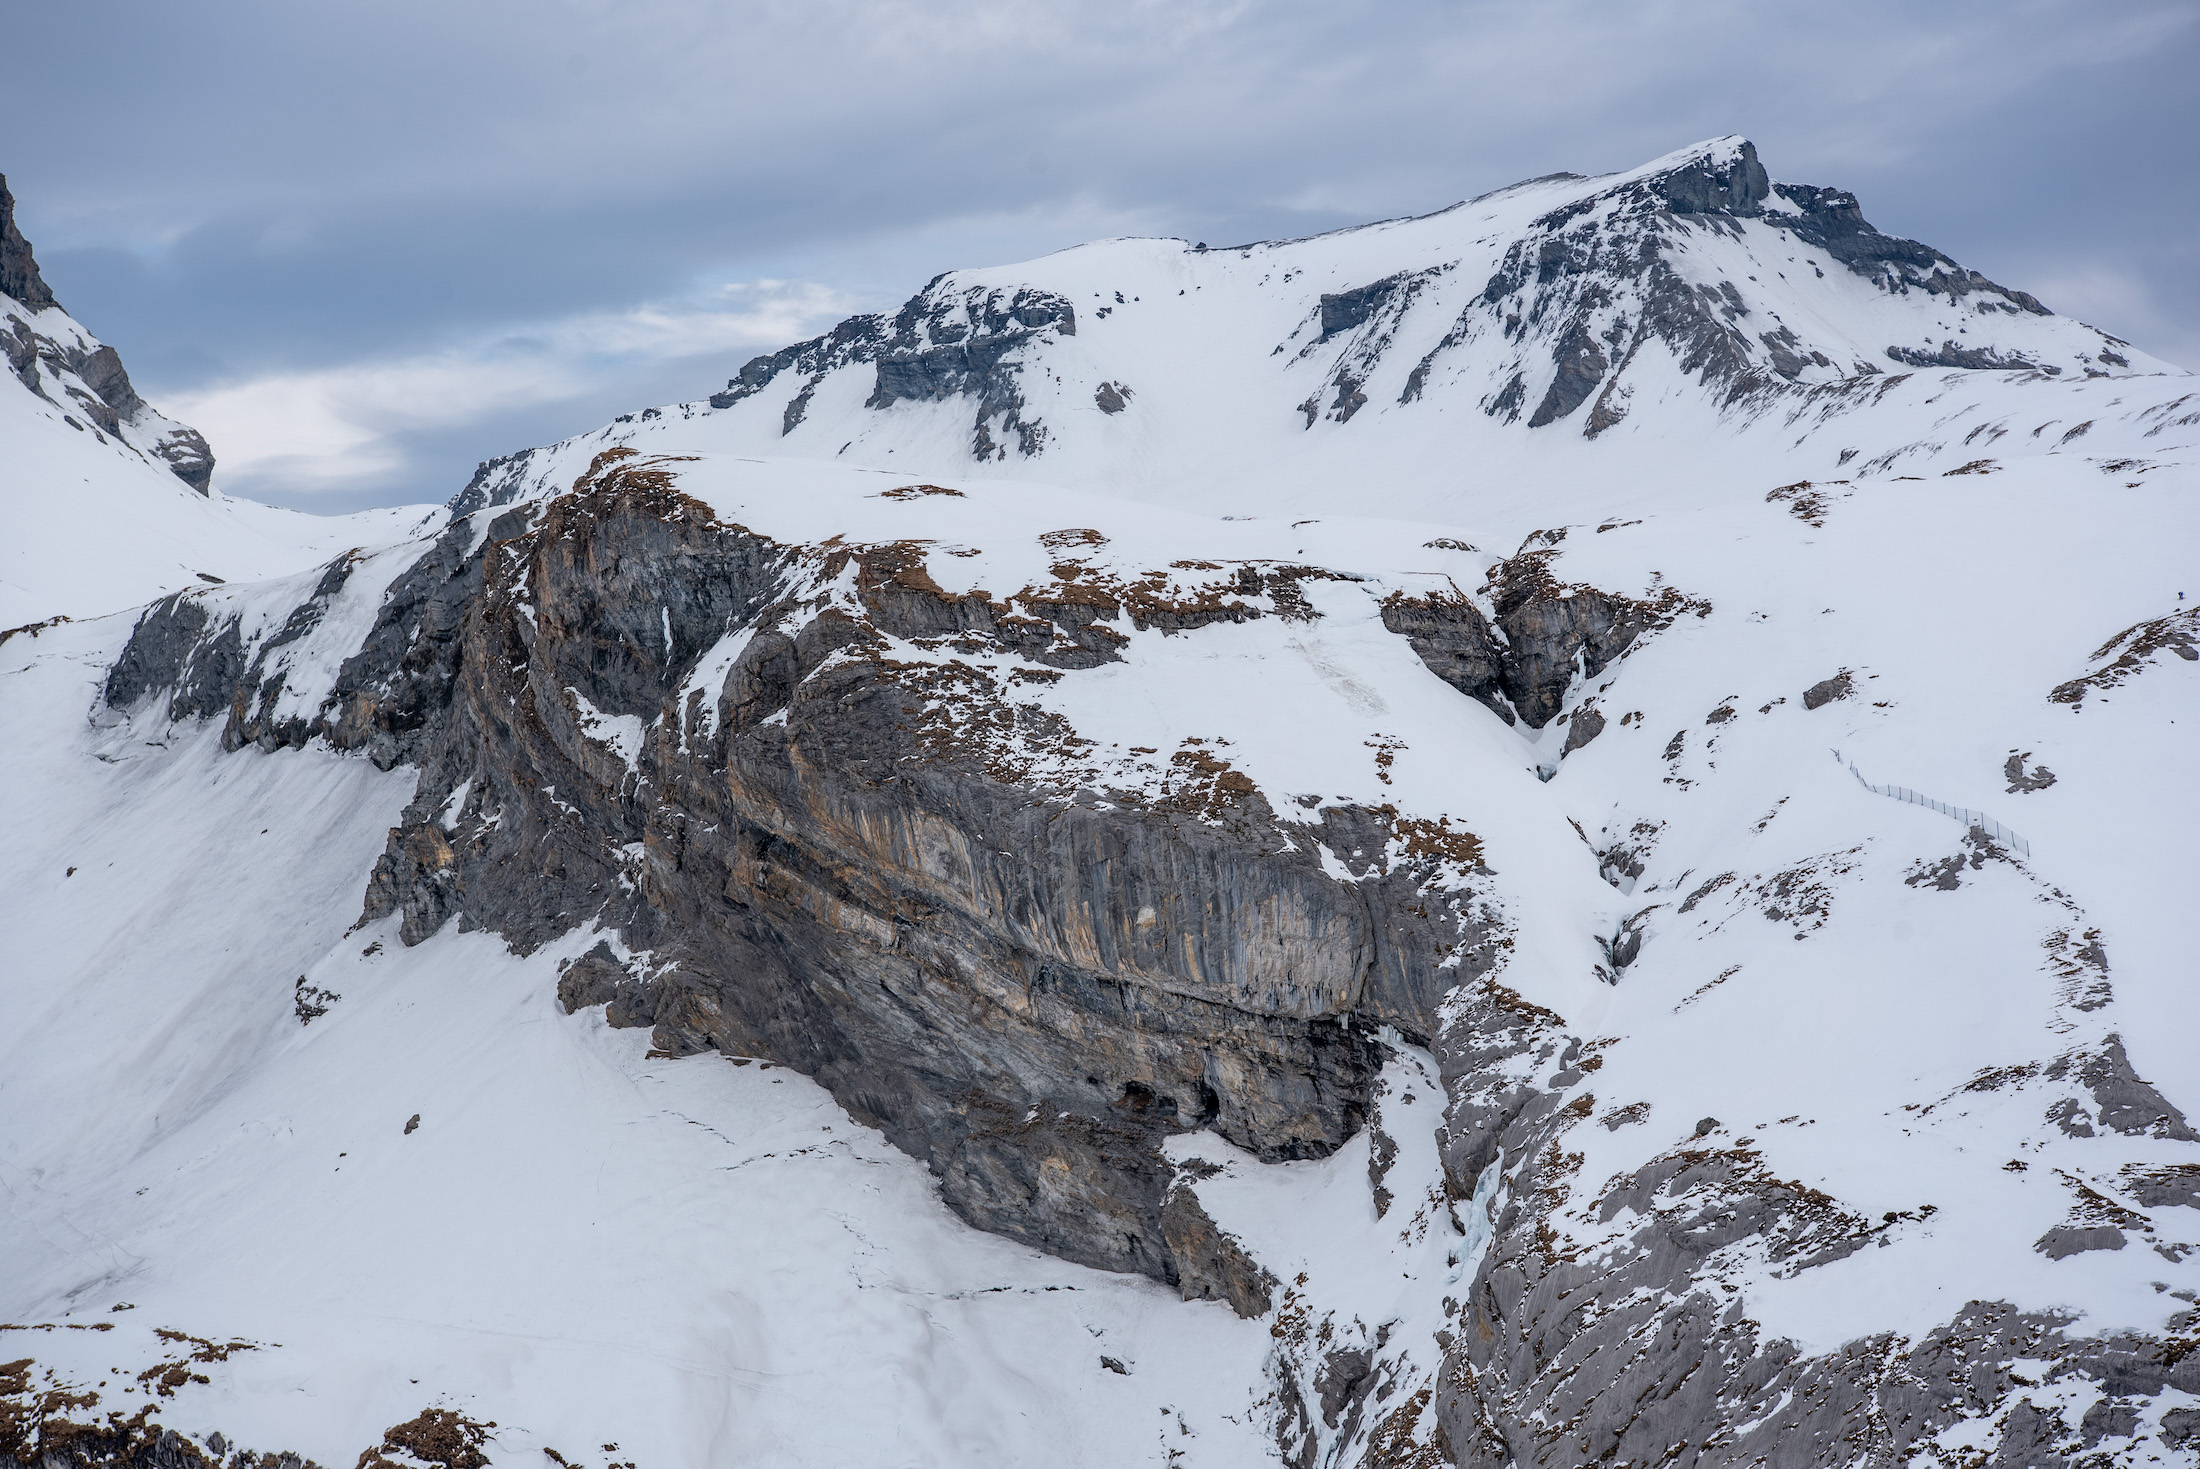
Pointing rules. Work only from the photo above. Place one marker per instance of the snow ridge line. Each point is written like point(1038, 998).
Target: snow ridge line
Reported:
point(1993, 829)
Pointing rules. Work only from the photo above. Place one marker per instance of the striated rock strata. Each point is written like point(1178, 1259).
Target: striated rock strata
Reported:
point(886, 872)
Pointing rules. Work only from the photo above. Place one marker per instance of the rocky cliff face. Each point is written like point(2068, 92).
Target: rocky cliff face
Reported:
point(1521, 664)
point(19, 277)
point(817, 805)
point(886, 870)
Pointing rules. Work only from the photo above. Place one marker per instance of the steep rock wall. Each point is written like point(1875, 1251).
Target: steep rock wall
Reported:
point(807, 848)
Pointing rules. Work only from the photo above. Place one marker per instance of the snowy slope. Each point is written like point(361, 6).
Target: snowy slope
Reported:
point(105, 503)
point(1764, 1096)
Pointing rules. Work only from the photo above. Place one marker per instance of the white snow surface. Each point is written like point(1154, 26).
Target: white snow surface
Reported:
point(707, 1262)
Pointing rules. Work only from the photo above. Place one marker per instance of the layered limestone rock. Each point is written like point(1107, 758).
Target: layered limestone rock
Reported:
point(806, 800)
point(887, 872)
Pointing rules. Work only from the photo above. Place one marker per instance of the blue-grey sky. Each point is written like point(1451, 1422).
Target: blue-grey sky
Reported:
point(364, 245)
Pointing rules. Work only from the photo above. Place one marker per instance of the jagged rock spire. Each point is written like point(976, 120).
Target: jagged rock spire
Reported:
point(19, 275)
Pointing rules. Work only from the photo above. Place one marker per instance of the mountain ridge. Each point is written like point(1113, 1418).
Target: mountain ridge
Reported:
point(1555, 301)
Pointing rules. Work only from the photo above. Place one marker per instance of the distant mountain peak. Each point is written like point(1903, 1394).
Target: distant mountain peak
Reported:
point(1648, 305)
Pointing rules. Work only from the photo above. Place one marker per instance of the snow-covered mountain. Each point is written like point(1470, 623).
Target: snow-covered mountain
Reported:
point(1354, 805)
point(1632, 317)
point(104, 502)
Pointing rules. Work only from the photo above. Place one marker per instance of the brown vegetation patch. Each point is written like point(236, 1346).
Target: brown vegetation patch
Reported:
point(1628, 1116)
point(1804, 501)
point(647, 481)
point(895, 566)
point(1434, 840)
point(46, 1419)
point(1512, 1001)
point(967, 718)
point(1809, 502)
point(33, 629)
point(1202, 783)
point(437, 1436)
point(1386, 755)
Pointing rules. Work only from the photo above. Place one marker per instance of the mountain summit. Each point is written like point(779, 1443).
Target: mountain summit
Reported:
point(1691, 296)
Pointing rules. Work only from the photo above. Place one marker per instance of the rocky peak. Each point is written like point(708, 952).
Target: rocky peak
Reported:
point(19, 277)
point(1723, 177)
point(82, 380)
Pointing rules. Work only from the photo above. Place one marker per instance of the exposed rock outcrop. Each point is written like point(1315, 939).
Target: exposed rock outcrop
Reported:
point(1577, 296)
point(2133, 651)
point(851, 863)
point(942, 344)
point(1597, 1329)
point(1523, 662)
point(19, 277)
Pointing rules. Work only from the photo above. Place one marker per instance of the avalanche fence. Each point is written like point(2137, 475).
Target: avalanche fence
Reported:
point(1995, 832)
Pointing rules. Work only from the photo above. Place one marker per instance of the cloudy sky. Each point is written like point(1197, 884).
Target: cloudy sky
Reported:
point(364, 245)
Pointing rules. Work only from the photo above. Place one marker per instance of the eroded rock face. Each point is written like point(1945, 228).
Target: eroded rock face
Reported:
point(942, 344)
point(1576, 297)
point(1522, 663)
point(627, 713)
point(19, 277)
point(1596, 1331)
point(1457, 643)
